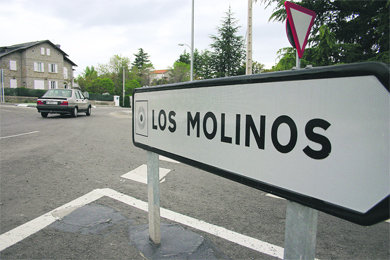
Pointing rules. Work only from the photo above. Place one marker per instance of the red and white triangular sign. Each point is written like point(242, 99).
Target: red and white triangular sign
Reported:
point(301, 20)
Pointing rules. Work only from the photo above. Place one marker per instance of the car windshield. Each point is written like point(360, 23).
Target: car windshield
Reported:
point(58, 93)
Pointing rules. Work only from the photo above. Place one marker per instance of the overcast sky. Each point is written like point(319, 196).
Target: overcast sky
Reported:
point(92, 31)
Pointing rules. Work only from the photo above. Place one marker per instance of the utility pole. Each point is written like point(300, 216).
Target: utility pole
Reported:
point(249, 41)
point(192, 43)
point(2, 86)
point(123, 88)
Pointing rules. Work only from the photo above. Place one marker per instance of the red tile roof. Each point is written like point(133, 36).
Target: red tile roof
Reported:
point(159, 71)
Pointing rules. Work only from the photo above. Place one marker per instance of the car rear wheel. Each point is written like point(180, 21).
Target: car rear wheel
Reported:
point(74, 112)
point(89, 110)
point(44, 114)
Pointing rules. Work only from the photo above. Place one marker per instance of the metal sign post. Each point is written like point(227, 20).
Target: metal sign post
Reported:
point(301, 232)
point(154, 198)
point(298, 61)
point(301, 225)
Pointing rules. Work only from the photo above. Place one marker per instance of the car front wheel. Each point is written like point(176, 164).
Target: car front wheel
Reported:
point(74, 112)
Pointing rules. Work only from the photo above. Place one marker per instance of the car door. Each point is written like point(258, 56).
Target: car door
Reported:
point(81, 101)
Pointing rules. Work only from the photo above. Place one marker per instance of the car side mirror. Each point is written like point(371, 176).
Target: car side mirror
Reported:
point(86, 95)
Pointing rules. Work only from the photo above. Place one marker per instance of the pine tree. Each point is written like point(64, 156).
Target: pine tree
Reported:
point(142, 66)
point(228, 48)
point(142, 60)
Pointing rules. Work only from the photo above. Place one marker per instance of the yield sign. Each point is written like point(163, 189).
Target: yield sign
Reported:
point(301, 20)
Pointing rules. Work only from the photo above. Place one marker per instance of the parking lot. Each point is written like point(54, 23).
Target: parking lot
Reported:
point(75, 188)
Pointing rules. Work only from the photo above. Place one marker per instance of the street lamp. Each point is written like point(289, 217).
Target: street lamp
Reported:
point(192, 43)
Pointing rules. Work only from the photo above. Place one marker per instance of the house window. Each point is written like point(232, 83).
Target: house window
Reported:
point(13, 83)
point(53, 68)
point(65, 73)
point(38, 66)
point(12, 64)
point(48, 52)
point(52, 84)
point(39, 84)
point(42, 51)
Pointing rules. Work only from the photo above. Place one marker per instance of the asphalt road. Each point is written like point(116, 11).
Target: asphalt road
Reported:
point(48, 162)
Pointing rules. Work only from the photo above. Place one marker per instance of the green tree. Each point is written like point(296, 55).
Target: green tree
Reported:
point(90, 72)
point(101, 85)
point(201, 63)
point(142, 67)
point(85, 80)
point(354, 31)
point(325, 50)
point(131, 85)
point(256, 68)
point(227, 48)
point(114, 71)
point(184, 58)
point(179, 73)
point(205, 68)
point(141, 60)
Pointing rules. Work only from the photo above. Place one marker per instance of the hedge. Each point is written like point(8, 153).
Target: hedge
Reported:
point(24, 92)
point(100, 97)
point(28, 92)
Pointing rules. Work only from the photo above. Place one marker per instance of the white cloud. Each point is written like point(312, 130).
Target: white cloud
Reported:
point(92, 31)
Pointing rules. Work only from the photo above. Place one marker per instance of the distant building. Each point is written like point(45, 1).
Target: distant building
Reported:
point(158, 75)
point(36, 65)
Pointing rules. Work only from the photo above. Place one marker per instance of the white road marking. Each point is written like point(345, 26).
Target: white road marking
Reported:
point(163, 158)
point(274, 196)
point(388, 221)
point(23, 231)
point(140, 174)
point(17, 234)
point(29, 133)
point(221, 232)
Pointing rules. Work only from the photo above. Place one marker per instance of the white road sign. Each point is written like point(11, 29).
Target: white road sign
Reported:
point(319, 137)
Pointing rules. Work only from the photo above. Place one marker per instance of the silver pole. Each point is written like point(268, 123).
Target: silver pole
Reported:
point(192, 43)
point(301, 232)
point(123, 88)
point(298, 60)
point(301, 225)
point(2, 87)
point(249, 41)
point(154, 198)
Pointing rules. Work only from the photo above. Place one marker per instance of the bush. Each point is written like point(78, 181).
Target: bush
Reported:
point(127, 101)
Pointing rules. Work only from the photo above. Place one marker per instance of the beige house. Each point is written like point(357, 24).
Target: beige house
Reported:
point(159, 75)
point(36, 65)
